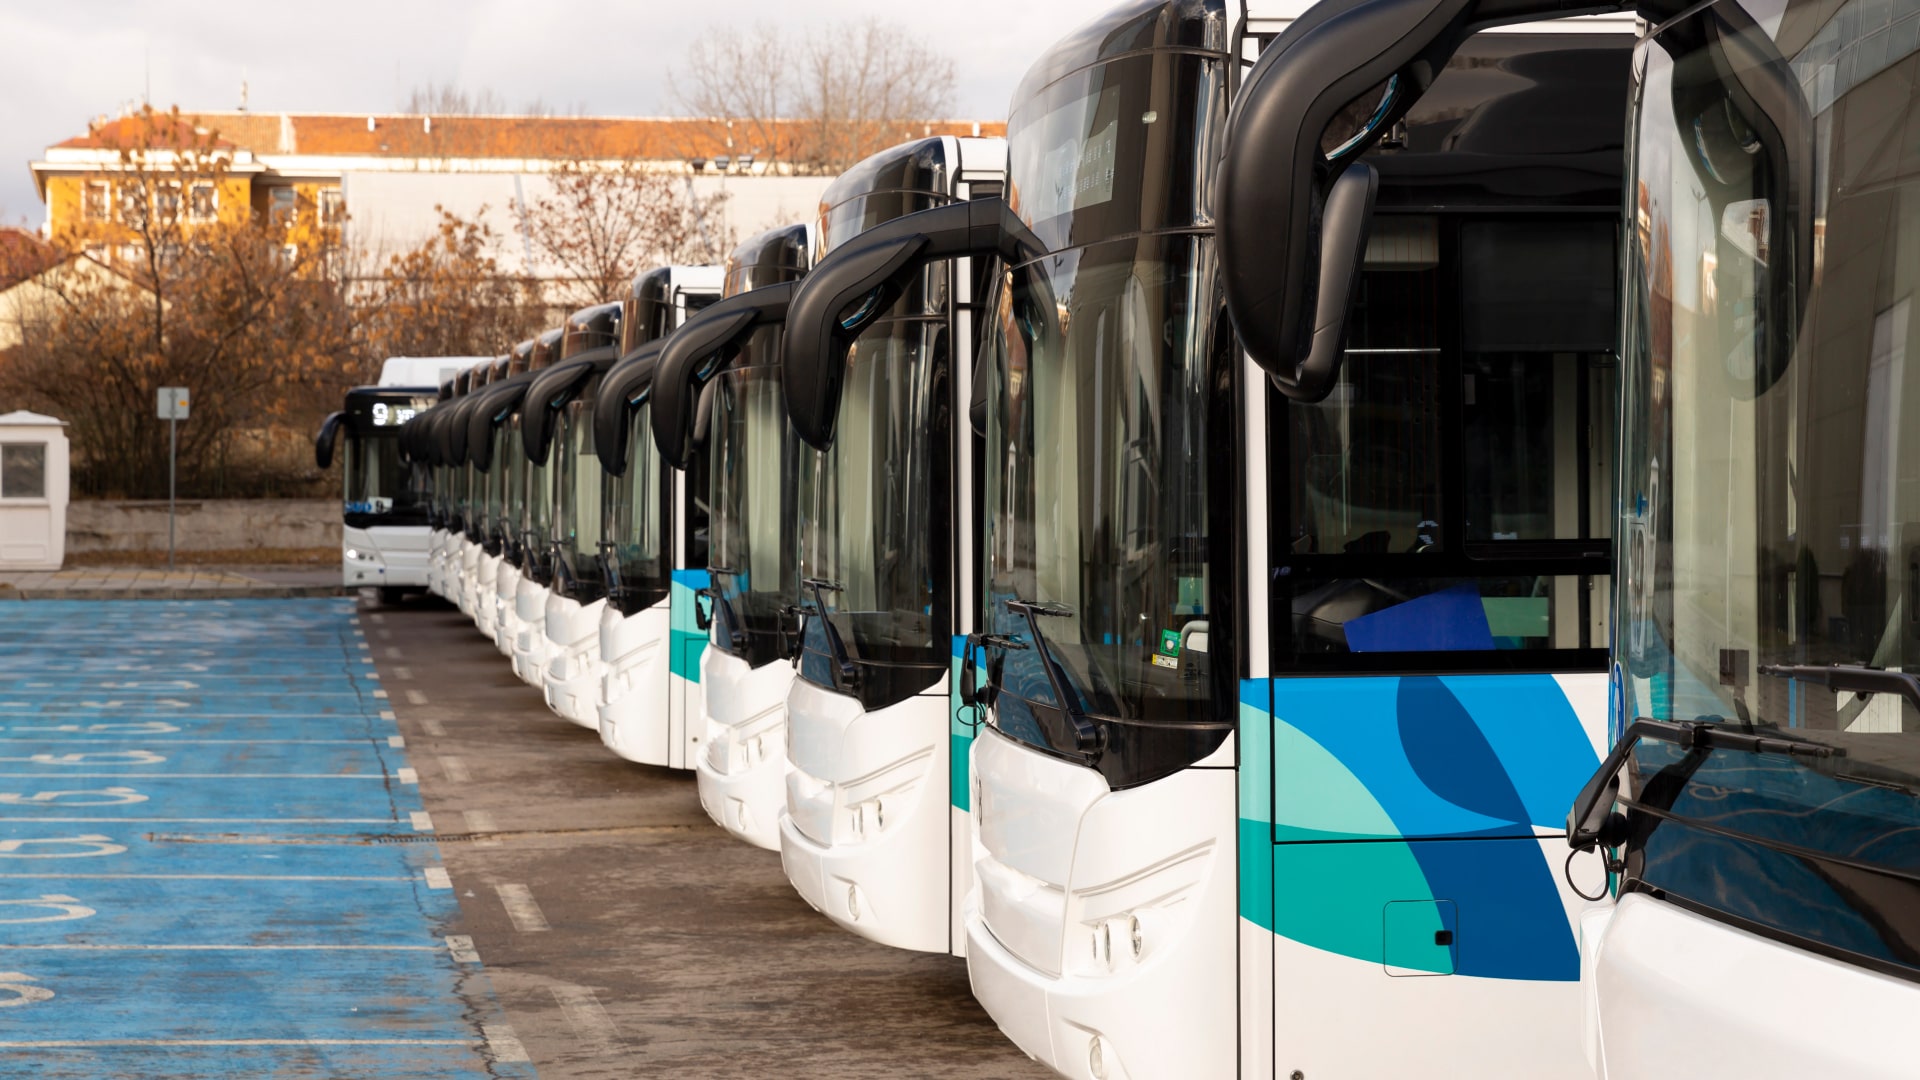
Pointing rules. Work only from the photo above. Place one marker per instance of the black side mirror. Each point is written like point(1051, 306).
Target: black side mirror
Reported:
point(694, 354)
point(625, 389)
point(1291, 210)
point(859, 282)
point(323, 443)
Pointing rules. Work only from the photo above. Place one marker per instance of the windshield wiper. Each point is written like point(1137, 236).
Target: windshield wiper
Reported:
point(1591, 822)
point(842, 659)
point(1857, 678)
point(721, 605)
point(1086, 733)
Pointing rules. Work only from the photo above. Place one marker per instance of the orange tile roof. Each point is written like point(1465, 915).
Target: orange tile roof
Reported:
point(137, 130)
point(411, 136)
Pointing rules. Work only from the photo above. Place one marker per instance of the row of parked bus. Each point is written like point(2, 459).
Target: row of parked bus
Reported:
point(1360, 540)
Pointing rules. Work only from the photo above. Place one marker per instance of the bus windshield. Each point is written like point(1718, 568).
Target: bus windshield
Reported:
point(1102, 366)
point(379, 487)
point(867, 517)
point(755, 458)
point(577, 479)
point(1770, 496)
point(635, 511)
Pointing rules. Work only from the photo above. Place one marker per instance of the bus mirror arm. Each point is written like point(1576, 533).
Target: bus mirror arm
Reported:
point(693, 356)
point(1592, 823)
point(625, 389)
point(324, 442)
point(861, 281)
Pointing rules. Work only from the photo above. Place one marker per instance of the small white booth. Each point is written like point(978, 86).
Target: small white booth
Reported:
point(33, 492)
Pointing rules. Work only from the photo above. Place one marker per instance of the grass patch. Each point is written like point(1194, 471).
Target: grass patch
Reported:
point(325, 556)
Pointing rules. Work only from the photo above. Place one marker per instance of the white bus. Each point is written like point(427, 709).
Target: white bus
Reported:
point(653, 548)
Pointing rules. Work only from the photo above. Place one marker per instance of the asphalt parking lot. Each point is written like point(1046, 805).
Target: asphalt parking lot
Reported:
point(625, 934)
point(315, 838)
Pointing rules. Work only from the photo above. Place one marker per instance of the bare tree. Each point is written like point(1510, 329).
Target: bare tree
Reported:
point(740, 78)
point(446, 297)
point(164, 283)
point(863, 88)
point(600, 226)
point(446, 99)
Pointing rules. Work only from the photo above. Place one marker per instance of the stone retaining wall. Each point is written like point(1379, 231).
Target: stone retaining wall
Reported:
point(203, 525)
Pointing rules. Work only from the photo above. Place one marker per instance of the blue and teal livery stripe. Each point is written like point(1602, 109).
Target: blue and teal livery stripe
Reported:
point(689, 641)
point(1374, 810)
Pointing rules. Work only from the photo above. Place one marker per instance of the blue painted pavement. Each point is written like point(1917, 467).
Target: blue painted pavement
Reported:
point(210, 856)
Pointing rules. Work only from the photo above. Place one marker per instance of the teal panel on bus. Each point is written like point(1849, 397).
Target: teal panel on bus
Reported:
point(962, 727)
point(1360, 793)
point(689, 641)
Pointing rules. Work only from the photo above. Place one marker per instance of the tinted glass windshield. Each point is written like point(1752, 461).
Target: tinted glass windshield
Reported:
point(531, 509)
point(577, 488)
point(635, 511)
point(1099, 501)
point(756, 459)
point(379, 486)
point(1771, 494)
point(868, 510)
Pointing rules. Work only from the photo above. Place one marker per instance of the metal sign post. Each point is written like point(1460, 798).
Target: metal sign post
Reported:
point(173, 409)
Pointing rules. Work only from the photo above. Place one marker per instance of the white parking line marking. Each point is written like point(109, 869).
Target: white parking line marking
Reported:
point(480, 821)
point(434, 728)
point(422, 821)
point(503, 1044)
point(379, 693)
point(376, 618)
point(397, 741)
point(386, 714)
point(521, 908)
point(415, 697)
point(436, 878)
point(455, 769)
point(404, 674)
point(392, 652)
point(408, 776)
point(589, 1020)
point(461, 946)
point(383, 635)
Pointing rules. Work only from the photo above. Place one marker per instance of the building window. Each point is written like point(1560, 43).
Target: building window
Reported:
point(281, 206)
point(166, 200)
point(96, 200)
point(333, 207)
point(133, 204)
point(290, 254)
point(97, 252)
point(23, 470)
point(132, 255)
point(203, 201)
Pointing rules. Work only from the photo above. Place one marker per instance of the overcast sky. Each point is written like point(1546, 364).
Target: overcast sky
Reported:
point(67, 62)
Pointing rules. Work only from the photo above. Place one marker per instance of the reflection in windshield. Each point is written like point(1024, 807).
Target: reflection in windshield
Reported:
point(377, 482)
point(1771, 497)
point(756, 457)
point(577, 521)
point(1098, 409)
point(635, 512)
point(868, 502)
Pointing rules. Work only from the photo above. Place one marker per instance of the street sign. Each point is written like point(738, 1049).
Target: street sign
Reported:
point(173, 403)
point(173, 409)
